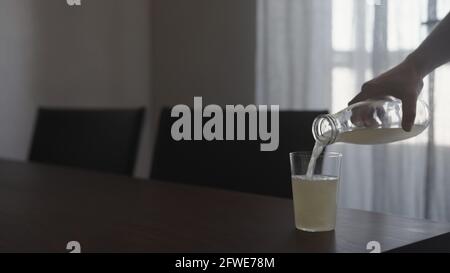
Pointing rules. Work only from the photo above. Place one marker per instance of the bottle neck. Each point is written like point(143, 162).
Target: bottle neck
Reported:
point(324, 129)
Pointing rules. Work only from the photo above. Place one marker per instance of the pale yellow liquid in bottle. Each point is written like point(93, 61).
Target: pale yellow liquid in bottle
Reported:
point(378, 135)
point(365, 136)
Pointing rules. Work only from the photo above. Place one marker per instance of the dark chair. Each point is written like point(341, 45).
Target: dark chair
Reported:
point(233, 165)
point(101, 140)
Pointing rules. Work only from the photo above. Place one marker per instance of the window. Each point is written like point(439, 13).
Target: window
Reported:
point(401, 22)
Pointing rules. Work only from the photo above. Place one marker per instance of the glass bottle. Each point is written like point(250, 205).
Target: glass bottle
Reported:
point(369, 122)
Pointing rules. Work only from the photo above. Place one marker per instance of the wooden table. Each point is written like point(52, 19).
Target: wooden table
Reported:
point(42, 208)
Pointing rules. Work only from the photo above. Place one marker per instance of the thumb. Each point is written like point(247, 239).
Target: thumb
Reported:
point(409, 112)
point(362, 96)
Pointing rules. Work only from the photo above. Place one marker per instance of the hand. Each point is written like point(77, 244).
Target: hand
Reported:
point(403, 82)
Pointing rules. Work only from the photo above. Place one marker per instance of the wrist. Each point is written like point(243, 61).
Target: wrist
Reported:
point(418, 64)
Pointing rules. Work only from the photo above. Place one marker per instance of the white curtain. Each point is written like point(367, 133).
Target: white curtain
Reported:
point(315, 54)
point(292, 36)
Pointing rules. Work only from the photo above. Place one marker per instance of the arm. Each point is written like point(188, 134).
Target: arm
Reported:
point(404, 81)
point(435, 50)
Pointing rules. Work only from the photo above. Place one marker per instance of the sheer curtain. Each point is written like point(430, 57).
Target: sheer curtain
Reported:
point(315, 54)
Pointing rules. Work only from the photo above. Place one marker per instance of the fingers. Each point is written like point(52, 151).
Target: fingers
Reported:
point(360, 97)
point(409, 112)
point(371, 90)
point(363, 117)
point(368, 91)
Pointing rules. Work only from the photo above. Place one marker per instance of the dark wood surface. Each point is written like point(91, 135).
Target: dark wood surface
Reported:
point(43, 207)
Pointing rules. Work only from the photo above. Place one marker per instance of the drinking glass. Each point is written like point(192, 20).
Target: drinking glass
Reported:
point(315, 197)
